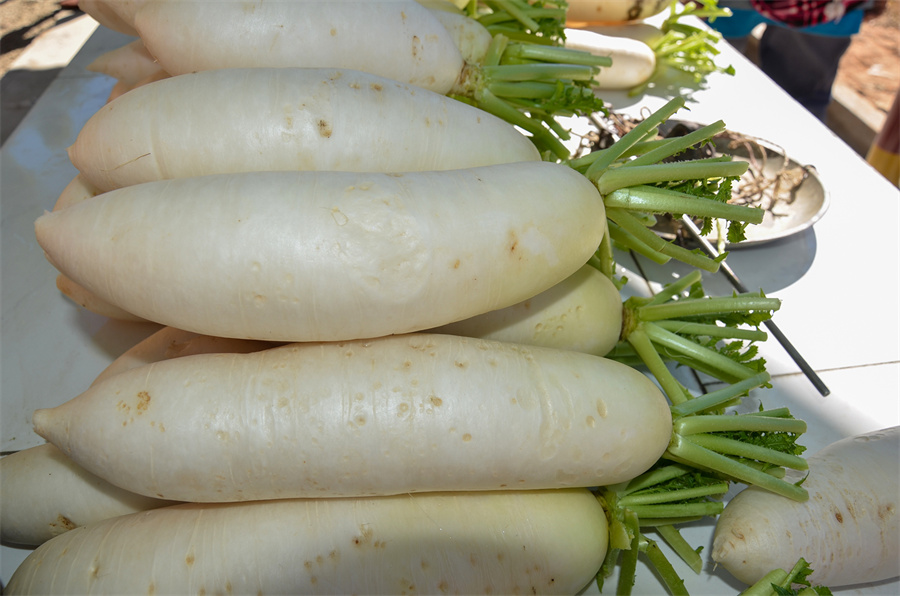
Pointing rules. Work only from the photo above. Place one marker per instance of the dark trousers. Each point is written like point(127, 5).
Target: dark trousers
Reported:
point(803, 64)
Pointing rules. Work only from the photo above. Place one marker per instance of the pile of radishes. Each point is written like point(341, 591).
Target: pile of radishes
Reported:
point(381, 367)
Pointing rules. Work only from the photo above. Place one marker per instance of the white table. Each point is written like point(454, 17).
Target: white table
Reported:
point(839, 281)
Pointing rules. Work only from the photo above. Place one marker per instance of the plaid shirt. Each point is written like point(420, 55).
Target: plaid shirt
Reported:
point(805, 13)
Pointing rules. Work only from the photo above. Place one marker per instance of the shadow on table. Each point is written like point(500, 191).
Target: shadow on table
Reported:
point(770, 267)
point(19, 90)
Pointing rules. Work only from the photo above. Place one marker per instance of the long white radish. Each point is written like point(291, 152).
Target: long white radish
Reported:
point(582, 313)
point(91, 302)
point(169, 342)
point(127, 64)
point(549, 542)
point(77, 190)
point(848, 531)
point(397, 39)
point(401, 414)
point(106, 13)
point(323, 256)
point(121, 88)
point(581, 12)
point(44, 493)
point(472, 39)
point(633, 61)
point(265, 119)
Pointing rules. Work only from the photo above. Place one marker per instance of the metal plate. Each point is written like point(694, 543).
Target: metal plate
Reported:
point(791, 193)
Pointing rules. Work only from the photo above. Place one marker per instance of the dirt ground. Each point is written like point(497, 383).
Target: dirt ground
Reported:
point(22, 21)
point(871, 66)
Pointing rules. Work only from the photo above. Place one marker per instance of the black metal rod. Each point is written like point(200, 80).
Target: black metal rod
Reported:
point(770, 325)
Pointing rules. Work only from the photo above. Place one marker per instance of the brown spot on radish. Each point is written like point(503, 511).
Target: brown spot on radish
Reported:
point(466, 438)
point(333, 32)
point(886, 511)
point(443, 586)
point(461, 364)
point(324, 128)
point(456, 264)
point(839, 517)
point(143, 401)
point(313, 579)
point(376, 87)
point(189, 559)
point(364, 537)
point(435, 401)
point(601, 408)
point(151, 589)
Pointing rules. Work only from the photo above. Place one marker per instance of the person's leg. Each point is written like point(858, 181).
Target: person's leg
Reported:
point(803, 64)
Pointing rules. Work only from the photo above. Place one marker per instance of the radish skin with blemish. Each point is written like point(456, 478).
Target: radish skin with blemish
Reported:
point(848, 531)
point(400, 414)
point(525, 542)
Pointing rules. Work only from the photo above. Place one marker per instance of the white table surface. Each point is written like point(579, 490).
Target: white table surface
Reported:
point(839, 281)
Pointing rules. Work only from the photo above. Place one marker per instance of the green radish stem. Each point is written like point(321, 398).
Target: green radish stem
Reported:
point(684, 48)
point(778, 582)
point(667, 495)
point(637, 185)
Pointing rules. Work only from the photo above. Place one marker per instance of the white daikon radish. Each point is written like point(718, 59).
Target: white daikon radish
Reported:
point(470, 36)
point(323, 256)
point(105, 13)
point(77, 190)
point(121, 88)
point(264, 119)
point(848, 531)
point(128, 64)
point(401, 414)
point(44, 494)
point(633, 61)
point(522, 542)
point(613, 11)
point(397, 39)
point(169, 342)
point(582, 313)
point(91, 302)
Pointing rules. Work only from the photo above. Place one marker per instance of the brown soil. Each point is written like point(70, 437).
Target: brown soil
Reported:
point(22, 21)
point(871, 65)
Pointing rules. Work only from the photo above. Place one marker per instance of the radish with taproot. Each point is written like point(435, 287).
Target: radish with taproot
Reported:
point(848, 531)
point(324, 256)
point(292, 119)
point(400, 414)
point(44, 494)
point(513, 542)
